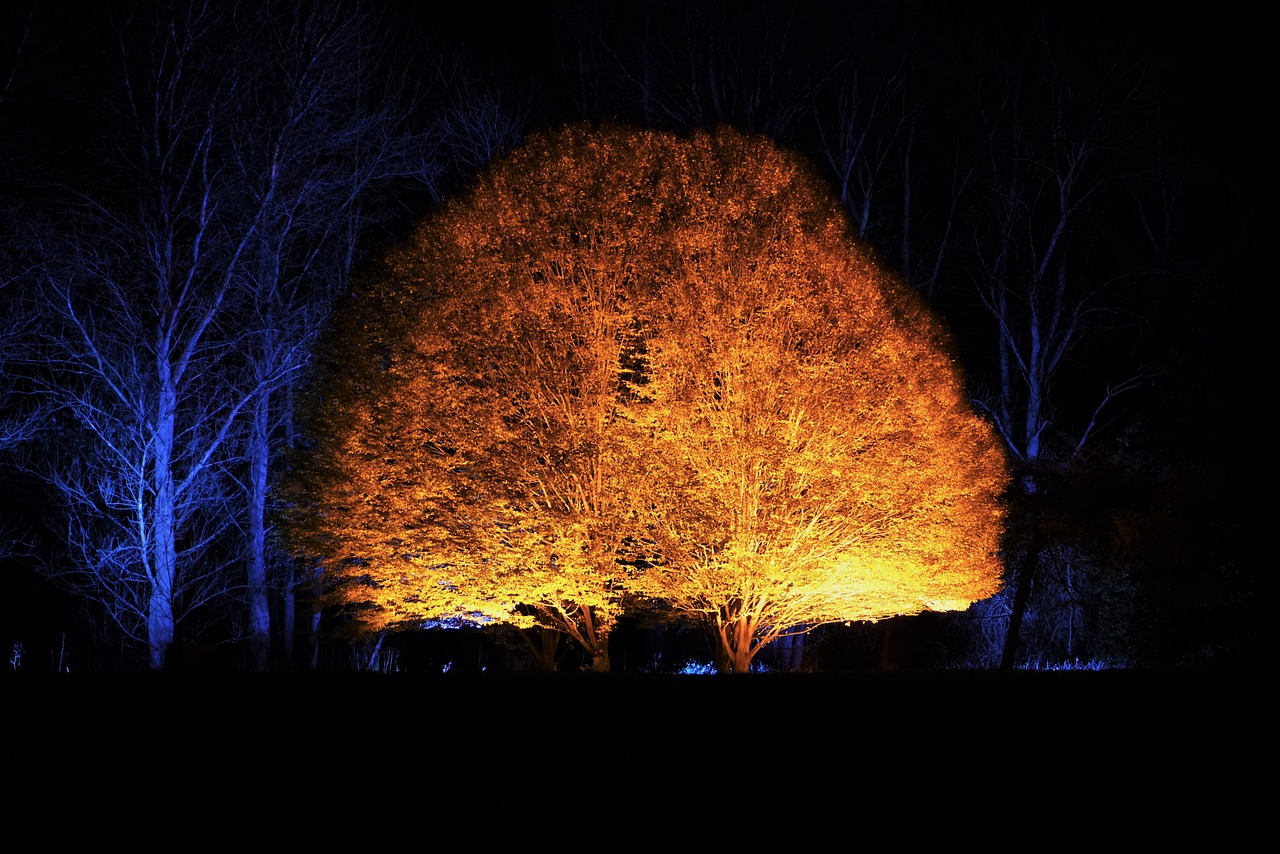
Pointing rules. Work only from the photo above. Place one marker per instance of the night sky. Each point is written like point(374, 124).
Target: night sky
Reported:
point(1178, 450)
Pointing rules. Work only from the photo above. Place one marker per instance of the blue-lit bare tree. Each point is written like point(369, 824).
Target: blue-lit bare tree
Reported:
point(1049, 192)
point(250, 145)
point(313, 138)
point(142, 341)
point(321, 143)
point(152, 334)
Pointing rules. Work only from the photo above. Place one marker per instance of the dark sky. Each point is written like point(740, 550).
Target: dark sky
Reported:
point(1210, 63)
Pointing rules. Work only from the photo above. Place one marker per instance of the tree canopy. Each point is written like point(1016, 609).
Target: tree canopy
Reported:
point(629, 367)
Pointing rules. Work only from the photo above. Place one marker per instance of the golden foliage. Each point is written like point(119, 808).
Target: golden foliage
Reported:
point(629, 365)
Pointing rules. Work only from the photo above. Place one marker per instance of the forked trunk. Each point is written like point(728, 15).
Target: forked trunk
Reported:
point(736, 647)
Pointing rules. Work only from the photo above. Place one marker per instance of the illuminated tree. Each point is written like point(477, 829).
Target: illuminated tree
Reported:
point(334, 142)
point(808, 408)
point(504, 334)
point(629, 364)
point(138, 336)
point(177, 303)
point(250, 150)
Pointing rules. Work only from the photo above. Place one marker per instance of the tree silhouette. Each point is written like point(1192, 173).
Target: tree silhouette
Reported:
point(631, 367)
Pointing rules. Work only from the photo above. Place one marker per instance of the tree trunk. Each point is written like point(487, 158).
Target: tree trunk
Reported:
point(542, 644)
point(735, 651)
point(160, 616)
point(256, 569)
point(1021, 595)
point(160, 622)
point(790, 652)
point(888, 655)
point(289, 596)
point(596, 635)
point(288, 616)
point(313, 641)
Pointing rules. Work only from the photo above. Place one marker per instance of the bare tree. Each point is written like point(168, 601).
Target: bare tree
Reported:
point(141, 416)
point(860, 141)
point(250, 148)
point(333, 144)
point(316, 139)
point(757, 67)
point(1051, 137)
point(141, 333)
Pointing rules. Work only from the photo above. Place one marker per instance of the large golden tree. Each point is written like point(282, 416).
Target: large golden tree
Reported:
point(808, 406)
point(628, 366)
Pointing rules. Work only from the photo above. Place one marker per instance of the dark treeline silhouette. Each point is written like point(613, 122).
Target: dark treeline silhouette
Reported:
point(187, 190)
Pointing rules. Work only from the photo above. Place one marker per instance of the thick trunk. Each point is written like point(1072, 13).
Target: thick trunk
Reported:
point(596, 636)
point(160, 613)
point(256, 570)
point(1021, 595)
point(289, 596)
point(160, 624)
point(735, 653)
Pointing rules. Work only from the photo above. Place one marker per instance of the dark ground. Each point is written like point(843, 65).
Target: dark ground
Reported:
point(629, 762)
point(1138, 708)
